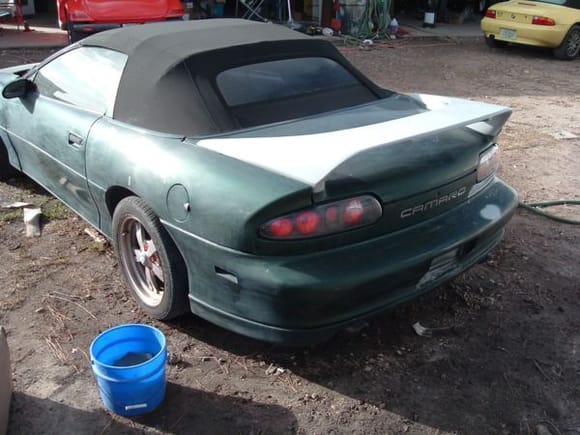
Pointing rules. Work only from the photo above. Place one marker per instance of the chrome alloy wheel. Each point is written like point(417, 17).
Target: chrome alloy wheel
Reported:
point(573, 43)
point(143, 263)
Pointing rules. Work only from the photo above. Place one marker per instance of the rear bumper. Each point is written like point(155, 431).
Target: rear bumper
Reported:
point(90, 28)
point(304, 299)
point(528, 34)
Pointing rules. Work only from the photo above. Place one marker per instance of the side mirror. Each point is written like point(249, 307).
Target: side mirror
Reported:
point(18, 88)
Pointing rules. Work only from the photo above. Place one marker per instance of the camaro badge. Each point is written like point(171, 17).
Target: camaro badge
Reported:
point(434, 203)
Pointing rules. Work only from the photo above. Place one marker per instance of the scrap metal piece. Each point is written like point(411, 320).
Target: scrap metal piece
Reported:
point(32, 221)
point(13, 205)
point(562, 134)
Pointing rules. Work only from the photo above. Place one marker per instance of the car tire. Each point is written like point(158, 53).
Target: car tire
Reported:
point(494, 43)
point(73, 35)
point(7, 171)
point(149, 260)
point(570, 47)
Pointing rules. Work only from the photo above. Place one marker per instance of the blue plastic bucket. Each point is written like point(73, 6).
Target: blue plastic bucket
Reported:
point(129, 365)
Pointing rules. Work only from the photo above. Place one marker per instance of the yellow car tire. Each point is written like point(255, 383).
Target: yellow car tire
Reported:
point(494, 43)
point(570, 47)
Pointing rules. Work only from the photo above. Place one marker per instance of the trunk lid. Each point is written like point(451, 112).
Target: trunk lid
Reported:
point(396, 148)
point(126, 11)
point(518, 12)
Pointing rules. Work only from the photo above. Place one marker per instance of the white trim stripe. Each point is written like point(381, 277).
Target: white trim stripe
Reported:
point(310, 158)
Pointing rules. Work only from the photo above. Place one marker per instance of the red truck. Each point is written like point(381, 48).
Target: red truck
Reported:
point(84, 17)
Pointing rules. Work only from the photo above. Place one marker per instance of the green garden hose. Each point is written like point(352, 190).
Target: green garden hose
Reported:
point(535, 207)
point(373, 22)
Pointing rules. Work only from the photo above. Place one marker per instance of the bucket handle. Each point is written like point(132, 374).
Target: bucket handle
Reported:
point(138, 406)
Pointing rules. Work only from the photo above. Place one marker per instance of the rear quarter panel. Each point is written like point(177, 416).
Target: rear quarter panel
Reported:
point(565, 15)
point(227, 198)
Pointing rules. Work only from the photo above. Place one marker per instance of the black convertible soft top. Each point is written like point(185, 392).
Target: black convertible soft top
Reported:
point(167, 83)
point(180, 39)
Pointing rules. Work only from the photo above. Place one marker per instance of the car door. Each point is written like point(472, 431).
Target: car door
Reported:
point(50, 127)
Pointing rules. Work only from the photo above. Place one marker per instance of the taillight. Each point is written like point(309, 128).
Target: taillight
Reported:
point(282, 227)
point(490, 13)
point(543, 21)
point(324, 219)
point(488, 163)
point(307, 223)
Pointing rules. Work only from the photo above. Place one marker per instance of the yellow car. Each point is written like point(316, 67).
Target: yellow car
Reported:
point(544, 23)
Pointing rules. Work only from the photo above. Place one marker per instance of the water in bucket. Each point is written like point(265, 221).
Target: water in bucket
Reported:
point(129, 365)
point(133, 358)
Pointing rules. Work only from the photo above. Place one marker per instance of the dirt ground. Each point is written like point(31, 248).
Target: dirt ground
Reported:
point(507, 362)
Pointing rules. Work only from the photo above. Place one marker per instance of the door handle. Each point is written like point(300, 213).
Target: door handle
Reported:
point(74, 139)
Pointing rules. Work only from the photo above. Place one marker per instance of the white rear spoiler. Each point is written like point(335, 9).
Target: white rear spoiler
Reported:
point(310, 158)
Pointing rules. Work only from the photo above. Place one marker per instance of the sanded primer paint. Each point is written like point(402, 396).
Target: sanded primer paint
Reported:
point(313, 156)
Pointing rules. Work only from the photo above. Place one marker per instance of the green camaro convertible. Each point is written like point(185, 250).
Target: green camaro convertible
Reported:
point(250, 174)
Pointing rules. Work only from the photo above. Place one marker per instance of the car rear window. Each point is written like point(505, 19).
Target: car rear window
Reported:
point(284, 78)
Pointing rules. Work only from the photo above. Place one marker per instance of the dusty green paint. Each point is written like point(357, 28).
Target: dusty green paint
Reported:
point(292, 292)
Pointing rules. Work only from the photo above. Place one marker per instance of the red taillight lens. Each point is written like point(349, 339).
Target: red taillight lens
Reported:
point(490, 13)
point(324, 219)
point(307, 222)
point(282, 227)
point(543, 21)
